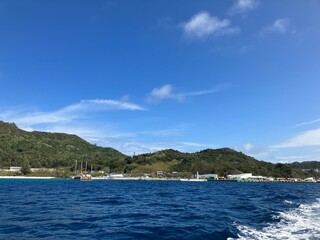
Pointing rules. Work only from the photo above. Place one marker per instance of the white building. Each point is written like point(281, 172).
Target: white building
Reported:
point(15, 169)
point(239, 177)
point(248, 177)
point(211, 176)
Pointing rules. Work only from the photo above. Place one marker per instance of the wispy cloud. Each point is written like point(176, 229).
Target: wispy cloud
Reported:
point(307, 123)
point(203, 25)
point(168, 92)
point(303, 139)
point(162, 93)
point(180, 146)
point(133, 145)
point(68, 113)
point(163, 132)
point(243, 6)
point(295, 157)
point(252, 149)
point(281, 26)
point(102, 105)
point(217, 88)
point(197, 145)
point(75, 119)
point(302, 147)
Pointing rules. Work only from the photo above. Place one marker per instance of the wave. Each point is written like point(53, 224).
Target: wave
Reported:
point(299, 223)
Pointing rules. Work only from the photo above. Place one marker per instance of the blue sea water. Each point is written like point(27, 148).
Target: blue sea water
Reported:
point(68, 209)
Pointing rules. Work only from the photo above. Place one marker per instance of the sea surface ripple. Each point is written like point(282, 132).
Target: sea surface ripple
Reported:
point(68, 209)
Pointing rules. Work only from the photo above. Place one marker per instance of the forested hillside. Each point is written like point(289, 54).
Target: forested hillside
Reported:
point(221, 161)
point(53, 150)
point(42, 149)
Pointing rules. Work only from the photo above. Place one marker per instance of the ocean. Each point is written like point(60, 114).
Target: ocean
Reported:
point(110, 209)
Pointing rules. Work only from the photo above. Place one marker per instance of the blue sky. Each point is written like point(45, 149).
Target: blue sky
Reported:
point(142, 76)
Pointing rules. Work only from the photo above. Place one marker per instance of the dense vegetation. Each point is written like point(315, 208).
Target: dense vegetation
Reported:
point(222, 161)
point(56, 150)
point(309, 167)
point(51, 150)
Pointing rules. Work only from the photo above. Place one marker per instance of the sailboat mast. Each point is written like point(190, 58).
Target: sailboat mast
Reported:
point(75, 169)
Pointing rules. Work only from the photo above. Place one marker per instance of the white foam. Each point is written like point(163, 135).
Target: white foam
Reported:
point(288, 202)
point(298, 224)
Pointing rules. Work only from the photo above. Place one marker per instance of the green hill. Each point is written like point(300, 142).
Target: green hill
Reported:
point(222, 161)
point(52, 150)
point(55, 150)
point(310, 167)
point(307, 165)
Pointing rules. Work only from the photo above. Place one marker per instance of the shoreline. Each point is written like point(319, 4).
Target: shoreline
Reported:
point(147, 179)
point(24, 177)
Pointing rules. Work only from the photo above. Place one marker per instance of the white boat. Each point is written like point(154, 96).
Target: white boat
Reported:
point(310, 179)
point(197, 179)
point(83, 176)
point(192, 180)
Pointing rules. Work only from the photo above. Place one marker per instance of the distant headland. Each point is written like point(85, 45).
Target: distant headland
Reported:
point(55, 154)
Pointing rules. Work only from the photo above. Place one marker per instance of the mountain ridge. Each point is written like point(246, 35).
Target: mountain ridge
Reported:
point(52, 150)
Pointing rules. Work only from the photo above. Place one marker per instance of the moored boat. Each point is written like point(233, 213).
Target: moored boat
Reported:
point(83, 176)
point(192, 180)
point(197, 179)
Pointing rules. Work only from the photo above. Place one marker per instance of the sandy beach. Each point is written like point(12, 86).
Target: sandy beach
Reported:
point(23, 177)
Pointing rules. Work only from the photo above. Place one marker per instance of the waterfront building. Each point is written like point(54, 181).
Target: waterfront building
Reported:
point(239, 177)
point(248, 177)
point(15, 169)
point(207, 176)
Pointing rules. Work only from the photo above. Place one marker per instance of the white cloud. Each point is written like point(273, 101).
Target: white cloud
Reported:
point(242, 6)
point(300, 148)
point(252, 150)
point(167, 92)
point(73, 119)
point(281, 26)
point(102, 105)
point(194, 144)
point(248, 147)
point(303, 139)
point(292, 157)
point(217, 88)
point(161, 93)
point(68, 113)
point(163, 132)
point(132, 145)
point(307, 123)
point(203, 25)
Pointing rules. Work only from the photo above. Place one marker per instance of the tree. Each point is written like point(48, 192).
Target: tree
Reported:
point(26, 168)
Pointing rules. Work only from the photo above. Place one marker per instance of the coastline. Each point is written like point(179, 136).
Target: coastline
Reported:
point(136, 178)
point(24, 177)
point(150, 179)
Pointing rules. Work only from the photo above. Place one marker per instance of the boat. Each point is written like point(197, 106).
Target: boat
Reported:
point(83, 176)
point(197, 179)
point(192, 180)
point(310, 179)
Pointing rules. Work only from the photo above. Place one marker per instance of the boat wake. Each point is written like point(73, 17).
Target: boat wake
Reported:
point(299, 223)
